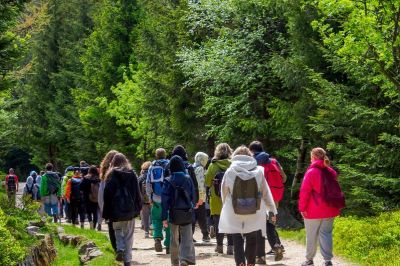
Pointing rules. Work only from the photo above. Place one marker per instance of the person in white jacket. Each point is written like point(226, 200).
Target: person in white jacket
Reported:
point(241, 226)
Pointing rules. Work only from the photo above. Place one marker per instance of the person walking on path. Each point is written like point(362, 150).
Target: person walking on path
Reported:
point(246, 199)
point(154, 183)
point(320, 202)
point(50, 191)
point(201, 160)
point(104, 167)
point(200, 215)
point(31, 189)
point(146, 207)
point(90, 188)
point(75, 198)
point(11, 186)
point(276, 178)
point(69, 173)
point(122, 203)
point(178, 200)
point(214, 175)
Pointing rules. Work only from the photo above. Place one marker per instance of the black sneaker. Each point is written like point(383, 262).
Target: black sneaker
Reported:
point(271, 252)
point(308, 263)
point(166, 250)
point(327, 263)
point(206, 239)
point(119, 256)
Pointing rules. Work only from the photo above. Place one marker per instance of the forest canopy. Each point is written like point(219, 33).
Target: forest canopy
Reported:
point(81, 77)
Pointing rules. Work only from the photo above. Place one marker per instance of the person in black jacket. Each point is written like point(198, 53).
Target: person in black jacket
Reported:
point(122, 203)
point(90, 188)
point(200, 214)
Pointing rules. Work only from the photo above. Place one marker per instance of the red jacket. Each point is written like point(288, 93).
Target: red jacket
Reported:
point(311, 202)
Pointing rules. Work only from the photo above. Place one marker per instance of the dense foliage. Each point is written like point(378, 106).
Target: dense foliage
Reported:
point(83, 77)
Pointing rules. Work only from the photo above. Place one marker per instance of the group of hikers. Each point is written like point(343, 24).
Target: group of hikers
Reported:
point(234, 194)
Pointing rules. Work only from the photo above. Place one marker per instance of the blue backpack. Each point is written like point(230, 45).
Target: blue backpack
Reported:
point(157, 176)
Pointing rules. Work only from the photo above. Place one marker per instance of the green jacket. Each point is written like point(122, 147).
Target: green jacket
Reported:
point(64, 185)
point(44, 181)
point(213, 169)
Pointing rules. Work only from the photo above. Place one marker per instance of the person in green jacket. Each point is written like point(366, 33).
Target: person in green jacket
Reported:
point(219, 164)
point(69, 172)
point(50, 192)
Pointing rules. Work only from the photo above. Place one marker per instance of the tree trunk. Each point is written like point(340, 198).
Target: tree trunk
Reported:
point(299, 167)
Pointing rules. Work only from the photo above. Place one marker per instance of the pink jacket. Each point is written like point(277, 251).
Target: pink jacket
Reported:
point(310, 201)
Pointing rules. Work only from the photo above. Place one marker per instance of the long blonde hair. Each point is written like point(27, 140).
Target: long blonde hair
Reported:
point(222, 151)
point(119, 162)
point(105, 163)
point(320, 154)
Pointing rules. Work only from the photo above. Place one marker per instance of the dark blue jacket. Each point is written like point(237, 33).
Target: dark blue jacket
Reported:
point(168, 194)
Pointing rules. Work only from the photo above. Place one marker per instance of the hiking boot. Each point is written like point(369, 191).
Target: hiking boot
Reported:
point(146, 235)
point(167, 250)
point(212, 232)
point(119, 255)
point(242, 264)
point(327, 263)
point(99, 227)
point(261, 260)
point(157, 245)
point(308, 263)
point(82, 225)
point(229, 250)
point(278, 251)
point(206, 238)
point(127, 263)
point(219, 249)
point(184, 263)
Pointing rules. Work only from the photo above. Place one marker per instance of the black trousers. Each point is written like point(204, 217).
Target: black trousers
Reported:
point(76, 208)
point(111, 234)
point(242, 253)
point(220, 237)
point(91, 212)
point(201, 218)
point(273, 239)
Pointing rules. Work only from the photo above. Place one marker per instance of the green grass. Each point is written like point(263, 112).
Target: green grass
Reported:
point(67, 255)
point(366, 241)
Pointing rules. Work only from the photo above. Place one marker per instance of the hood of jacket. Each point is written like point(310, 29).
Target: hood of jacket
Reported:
point(262, 157)
point(222, 164)
point(162, 162)
point(201, 158)
point(123, 175)
point(33, 174)
point(243, 166)
point(29, 181)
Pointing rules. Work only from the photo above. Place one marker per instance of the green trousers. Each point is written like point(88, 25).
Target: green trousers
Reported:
point(158, 225)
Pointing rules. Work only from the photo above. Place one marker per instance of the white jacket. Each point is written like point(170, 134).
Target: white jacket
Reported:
point(244, 167)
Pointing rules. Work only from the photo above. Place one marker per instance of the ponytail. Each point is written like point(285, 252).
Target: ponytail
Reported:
point(327, 162)
point(320, 154)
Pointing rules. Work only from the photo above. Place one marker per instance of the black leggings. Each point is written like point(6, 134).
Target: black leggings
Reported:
point(273, 239)
point(201, 218)
point(76, 208)
point(242, 253)
point(91, 211)
point(220, 237)
point(111, 234)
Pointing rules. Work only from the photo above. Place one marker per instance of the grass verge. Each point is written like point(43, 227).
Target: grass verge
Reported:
point(67, 255)
point(366, 241)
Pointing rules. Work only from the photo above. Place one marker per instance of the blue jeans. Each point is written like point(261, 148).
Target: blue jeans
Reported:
point(51, 205)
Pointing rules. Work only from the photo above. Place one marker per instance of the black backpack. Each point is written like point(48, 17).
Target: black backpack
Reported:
point(181, 212)
point(11, 183)
point(75, 191)
point(124, 201)
point(217, 181)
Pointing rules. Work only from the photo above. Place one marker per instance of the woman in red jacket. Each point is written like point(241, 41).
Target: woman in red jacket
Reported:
point(318, 214)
